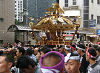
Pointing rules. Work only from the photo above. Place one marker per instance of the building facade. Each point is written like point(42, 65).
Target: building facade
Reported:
point(90, 11)
point(89, 16)
point(6, 19)
point(94, 12)
point(19, 10)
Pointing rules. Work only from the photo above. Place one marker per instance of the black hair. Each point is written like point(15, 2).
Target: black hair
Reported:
point(73, 45)
point(95, 46)
point(1, 52)
point(90, 45)
point(86, 44)
point(29, 51)
point(98, 49)
point(44, 50)
point(60, 46)
point(10, 45)
point(24, 62)
point(53, 55)
point(75, 54)
point(8, 57)
point(92, 51)
point(68, 46)
point(13, 52)
point(22, 50)
point(82, 46)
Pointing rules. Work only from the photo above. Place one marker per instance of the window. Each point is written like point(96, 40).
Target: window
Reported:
point(91, 16)
point(74, 2)
point(21, 9)
point(86, 2)
point(85, 24)
point(86, 16)
point(1, 19)
point(91, 1)
point(20, 1)
point(66, 3)
point(98, 19)
point(21, 6)
point(98, 1)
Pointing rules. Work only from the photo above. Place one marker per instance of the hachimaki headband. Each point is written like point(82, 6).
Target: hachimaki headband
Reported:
point(72, 47)
point(54, 69)
point(69, 57)
point(80, 48)
point(87, 53)
point(68, 49)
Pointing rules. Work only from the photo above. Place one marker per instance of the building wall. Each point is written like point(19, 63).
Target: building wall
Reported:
point(19, 10)
point(79, 3)
point(95, 11)
point(7, 14)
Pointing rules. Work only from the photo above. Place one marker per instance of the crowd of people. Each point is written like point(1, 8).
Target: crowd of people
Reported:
point(74, 58)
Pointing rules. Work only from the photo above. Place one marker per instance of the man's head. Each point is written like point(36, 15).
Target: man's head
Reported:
point(80, 49)
point(29, 51)
point(98, 51)
point(61, 49)
point(20, 51)
point(52, 62)
point(26, 64)
point(67, 48)
point(91, 54)
point(72, 63)
point(95, 46)
point(73, 47)
point(42, 52)
point(6, 62)
point(1, 52)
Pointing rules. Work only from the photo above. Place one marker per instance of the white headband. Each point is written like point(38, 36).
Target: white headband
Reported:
point(67, 48)
point(68, 57)
point(49, 70)
point(80, 48)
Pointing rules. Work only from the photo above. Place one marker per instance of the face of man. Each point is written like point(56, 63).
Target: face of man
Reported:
point(72, 66)
point(18, 53)
point(98, 53)
point(4, 66)
point(60, 50)
point(35, 51)
point(79, 51)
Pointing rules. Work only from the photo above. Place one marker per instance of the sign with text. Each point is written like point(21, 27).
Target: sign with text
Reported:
point(92, 23)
